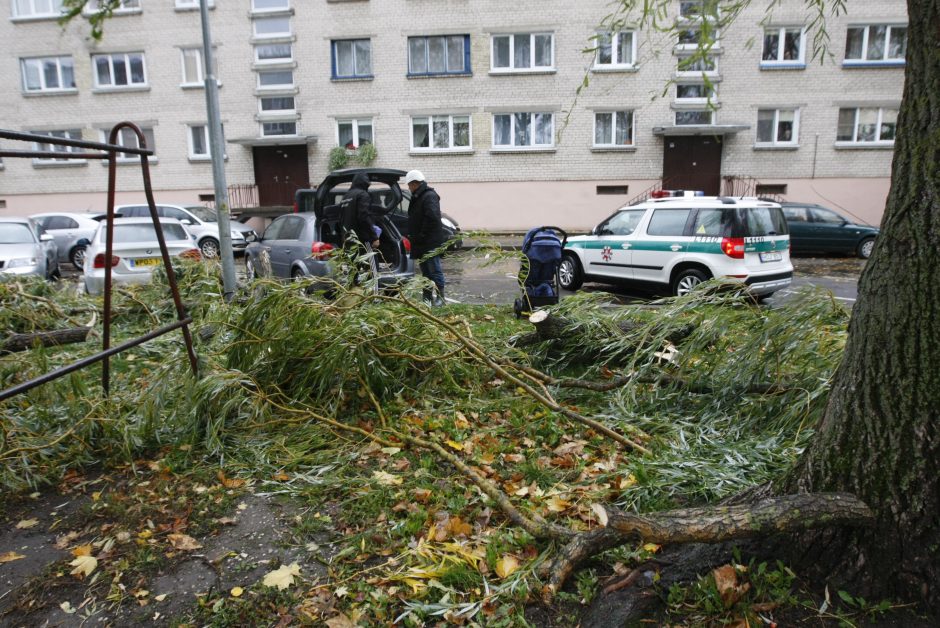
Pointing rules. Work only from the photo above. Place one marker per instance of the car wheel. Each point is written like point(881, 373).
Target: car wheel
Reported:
point(570, 275)
point(77, 257)
point(209, 248)
point(56, 273)
point(296, 274)
point(865, 248)
point(686, 281)
point(250, 273)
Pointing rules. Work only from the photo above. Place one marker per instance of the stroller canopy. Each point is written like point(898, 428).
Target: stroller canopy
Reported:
point(542, 245)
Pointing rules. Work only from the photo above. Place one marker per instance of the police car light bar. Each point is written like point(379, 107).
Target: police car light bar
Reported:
point(677, 193)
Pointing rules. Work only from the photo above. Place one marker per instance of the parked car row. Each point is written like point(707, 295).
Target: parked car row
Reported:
point(26, 249)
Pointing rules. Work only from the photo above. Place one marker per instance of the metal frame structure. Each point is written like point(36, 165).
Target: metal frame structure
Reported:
point(109, 152)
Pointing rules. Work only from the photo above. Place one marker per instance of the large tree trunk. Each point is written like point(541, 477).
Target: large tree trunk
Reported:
point(880, 437)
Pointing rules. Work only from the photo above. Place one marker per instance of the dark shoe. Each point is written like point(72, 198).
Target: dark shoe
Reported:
point(438, 300)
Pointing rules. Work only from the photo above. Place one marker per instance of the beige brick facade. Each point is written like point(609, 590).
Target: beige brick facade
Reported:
point(482, 187)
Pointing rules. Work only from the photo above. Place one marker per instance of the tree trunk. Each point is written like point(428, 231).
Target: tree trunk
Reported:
point(880, 438)
point(22, 342)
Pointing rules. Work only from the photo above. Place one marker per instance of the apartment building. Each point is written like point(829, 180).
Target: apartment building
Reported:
point(481, 95)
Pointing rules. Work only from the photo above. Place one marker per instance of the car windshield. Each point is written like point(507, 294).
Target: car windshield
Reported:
point(15, 233)
point(144, 232)
point(204, 214)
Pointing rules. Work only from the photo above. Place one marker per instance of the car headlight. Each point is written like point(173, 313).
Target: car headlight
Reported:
point(20, 262)
point(237, 235)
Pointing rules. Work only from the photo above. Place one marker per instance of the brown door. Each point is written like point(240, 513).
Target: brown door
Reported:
point(279, 171)
point(692, 163)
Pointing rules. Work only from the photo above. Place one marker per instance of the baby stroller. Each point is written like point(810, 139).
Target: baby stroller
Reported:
point(539, 272)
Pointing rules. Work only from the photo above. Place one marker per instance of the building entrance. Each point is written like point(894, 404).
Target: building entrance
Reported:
point(692, 162)
point(279, 172)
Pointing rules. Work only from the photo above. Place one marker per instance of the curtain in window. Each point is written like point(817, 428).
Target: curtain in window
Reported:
point(543, 128)
point(543, 50)
point(437, 55)
point(876, 42)
point(624, 134)
point(603, 128)
point(455, 54)
point(523, 51)
point(417, 55)
point(523, 135)
point(461, 131)
point(502, 133)
point(363, 56)
point(420, 133)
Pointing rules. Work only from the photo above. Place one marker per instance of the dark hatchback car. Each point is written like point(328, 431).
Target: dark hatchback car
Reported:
point(818, 229)
point(398, 212)
point(298, 245)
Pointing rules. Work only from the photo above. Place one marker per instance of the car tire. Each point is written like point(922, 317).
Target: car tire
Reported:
point(56, 273)
point(296, 274)
point(77, 257)
point(209, 248)
point(570, 275)
point(250, 273)
point(687, 280)
point(865, 248)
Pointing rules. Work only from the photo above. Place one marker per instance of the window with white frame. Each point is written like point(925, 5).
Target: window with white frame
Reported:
point(275, 79)
point(270, 5)
point(194, 68)
point(524, 130)
point(124, 6)
point(448, 54)
point(278, 128)
point(523, 52)
point(695, 65)
point(867, 125)
point(66, 134)
point(694, 117)
point(615, 50)
point(271, 26)
point(778, 127)
point(198, 137)
point(48, 74)
point(121, 70)
point(352, 58)
point(440, 133)
point(694, 92)
point(276, 104)
point(876, 43)
point(691, 38)
point(353, 133)
point(192, 4)
point(697, 9)
point(274, 53)
point(37, 8)
point(613, 128)
point(784, 45)
point(128, 139)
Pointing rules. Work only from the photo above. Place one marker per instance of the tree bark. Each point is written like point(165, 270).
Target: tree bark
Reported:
point(879, 436)
point(22, 342)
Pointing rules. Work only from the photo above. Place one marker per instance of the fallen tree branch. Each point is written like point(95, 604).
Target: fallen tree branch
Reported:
point(23, 342)
point(710, 524)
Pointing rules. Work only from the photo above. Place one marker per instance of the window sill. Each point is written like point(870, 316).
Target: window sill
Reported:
point(522, 72)
point(863, 145)
point(521, 149)
point(271, 12)
point(613, 149)
point(50, 92)
point(78, 163)
point(23, 19)
point(131, 162)
point(120, 90)
point(262, 66)
point(211, 7)
point(848, 65)
point(782, 66)
point(711, 75)
point(198, 85)
point(776, 147)
point(352, 79)
point(615, 69)
point(440, 75)
point(116, 13)
point(276, 91)
point(418, 152)
point(286, 38)
point(207, 159)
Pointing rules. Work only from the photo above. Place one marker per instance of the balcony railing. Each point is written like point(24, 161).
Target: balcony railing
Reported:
point(265, 194)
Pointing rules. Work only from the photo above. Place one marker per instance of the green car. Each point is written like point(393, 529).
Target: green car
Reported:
point(818, 229)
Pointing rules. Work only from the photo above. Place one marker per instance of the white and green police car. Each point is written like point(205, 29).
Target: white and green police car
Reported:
point(680, 241)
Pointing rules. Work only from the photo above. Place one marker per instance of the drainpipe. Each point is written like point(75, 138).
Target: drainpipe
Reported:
point(815, 151)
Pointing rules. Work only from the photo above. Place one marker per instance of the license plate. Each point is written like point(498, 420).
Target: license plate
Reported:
point(771, 257)
point(147, 261)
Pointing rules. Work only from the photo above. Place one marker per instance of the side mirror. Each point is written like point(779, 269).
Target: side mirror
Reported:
point(594, 231)
point(251, 237)
point(186, 221)
point(46, 237)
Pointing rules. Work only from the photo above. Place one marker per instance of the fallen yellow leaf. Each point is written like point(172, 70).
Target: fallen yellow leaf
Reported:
point(282, 577)
point(237, 591)
point(183, 542)
point(160, 597)
point(26, 524)
point(84, 565)
point(601, 514)
point(82, 550)
point(557, 504)
point(651, 547)
point(9, 557)
point(506, 565)
point(385, 478)
point(455, 445)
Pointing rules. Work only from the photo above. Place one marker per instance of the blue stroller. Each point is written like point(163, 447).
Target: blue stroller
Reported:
point(539, 272)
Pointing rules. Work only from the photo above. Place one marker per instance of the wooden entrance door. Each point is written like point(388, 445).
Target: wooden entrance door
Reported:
point(692, 163)
point(279, 172)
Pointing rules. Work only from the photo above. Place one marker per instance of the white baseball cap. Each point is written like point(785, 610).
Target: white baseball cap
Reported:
point(413, 175)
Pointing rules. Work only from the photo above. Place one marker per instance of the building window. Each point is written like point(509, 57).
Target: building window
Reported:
point(119, 70)
point(275, 79)
point(67, 134)
point(876, 44)
point(613, 128)
point(277, 103)
point(695, 117)
point(439, 55)
point(124, 6)
point(278, 128)
point(440, 133)
point(352, 58)
point(694, 92)
point(128, 139)
point(192, 4)
point(688, 66)
point(194, 68)
point(271, 26)
point(524, 130)
point(274, 53)
point(692, 38)
point(615, 50)
point(37, 8)
point(783, 46)
point(698, 9)
point(521, 52)
point(270, 5)
point(351, 134)
point(48, 74)
point(777, 127)
point(867, 125)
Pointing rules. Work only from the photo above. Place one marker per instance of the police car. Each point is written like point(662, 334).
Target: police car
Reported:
point(680, 240)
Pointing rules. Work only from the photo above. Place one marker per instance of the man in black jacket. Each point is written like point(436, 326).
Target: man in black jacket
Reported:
point(426, 231)
point(356, 216)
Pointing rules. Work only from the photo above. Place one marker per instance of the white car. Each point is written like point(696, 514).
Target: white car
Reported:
point(26, 249)
point(679, 242)
point(202, 222)
point(135, 251)
point(71, 231)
